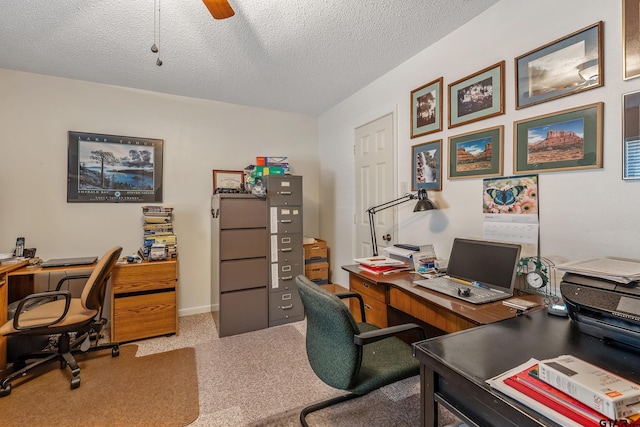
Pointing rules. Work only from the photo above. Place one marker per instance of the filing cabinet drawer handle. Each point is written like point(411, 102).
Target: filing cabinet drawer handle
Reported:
point(286, 278)
point(286, 249)
point(285, 221)
point(367, 307)
point(284, 193)
point(286, 307)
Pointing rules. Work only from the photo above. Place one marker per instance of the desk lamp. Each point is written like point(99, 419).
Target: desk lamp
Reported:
point(424, 204)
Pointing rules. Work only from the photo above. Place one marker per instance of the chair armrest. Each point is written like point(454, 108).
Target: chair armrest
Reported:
point(64, 279)
point(380, 334)
point(51, 296)
point(349, 294)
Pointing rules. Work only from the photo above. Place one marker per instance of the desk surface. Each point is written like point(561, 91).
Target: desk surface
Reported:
point(36, 269)
point(479, 314)
point(457, 365)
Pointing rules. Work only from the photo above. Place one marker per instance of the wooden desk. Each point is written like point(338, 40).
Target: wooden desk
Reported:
point(454, 368)
point(386, 296)
point(5, 270)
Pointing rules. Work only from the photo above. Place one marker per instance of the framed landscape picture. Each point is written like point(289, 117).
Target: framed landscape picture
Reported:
point(114, 169)
point(565, 140)
point(476, 154)
point(631, 38)
point(572, 64)
point(426, 170)
point(631, 135)
point(426, 109)
point(478, 96)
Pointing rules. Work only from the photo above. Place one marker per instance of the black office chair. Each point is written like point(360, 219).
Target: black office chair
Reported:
point(356, 357)
point(64, 316)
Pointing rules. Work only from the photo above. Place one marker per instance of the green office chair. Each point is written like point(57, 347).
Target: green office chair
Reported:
point(356, 357)
point(76, 321)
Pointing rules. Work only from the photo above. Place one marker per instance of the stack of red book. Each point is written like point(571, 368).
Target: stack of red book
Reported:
point(543, 397)
point(382, 265)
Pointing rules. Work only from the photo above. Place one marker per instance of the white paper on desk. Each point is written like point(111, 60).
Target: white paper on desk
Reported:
point(497, 383)
point(394, 250)
point(607, 268)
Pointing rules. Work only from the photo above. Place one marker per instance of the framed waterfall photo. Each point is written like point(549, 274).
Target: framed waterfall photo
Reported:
point(426, 169)
point(114, 169)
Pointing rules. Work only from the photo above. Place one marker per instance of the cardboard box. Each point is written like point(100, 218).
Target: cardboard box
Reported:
point(609, 394)
point(317, 272)
point(315, 252)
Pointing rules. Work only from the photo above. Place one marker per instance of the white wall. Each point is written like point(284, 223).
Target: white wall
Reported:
point(36, 112)
point(582, 213)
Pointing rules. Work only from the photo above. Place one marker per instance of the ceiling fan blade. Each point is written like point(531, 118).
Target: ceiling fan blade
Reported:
point(219, 9)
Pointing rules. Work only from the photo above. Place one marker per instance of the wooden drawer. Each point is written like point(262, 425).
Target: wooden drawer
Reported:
point(143, 316)
point(317, 272)
point(432, 314)
point(146, 276)
point(375, 311)
point(315, 251)
point(366, 287)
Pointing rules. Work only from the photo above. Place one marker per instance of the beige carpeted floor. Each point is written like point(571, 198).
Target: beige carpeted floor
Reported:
point(262, 378)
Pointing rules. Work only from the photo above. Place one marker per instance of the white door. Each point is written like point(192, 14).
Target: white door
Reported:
point(374, 167)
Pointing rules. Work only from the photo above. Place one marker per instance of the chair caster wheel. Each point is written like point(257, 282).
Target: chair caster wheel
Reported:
point(115, 352)
point(5, 391)
point(75, 383)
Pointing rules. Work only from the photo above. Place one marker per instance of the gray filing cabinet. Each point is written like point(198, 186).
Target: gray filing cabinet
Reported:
point(286, 251)
point(240, 263)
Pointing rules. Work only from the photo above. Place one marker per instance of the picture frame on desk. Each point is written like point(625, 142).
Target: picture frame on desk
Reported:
point(571, 64)
point(114, 169)
point(476, 154)
point(426, 108)
point(426, 166)
point(565, 140)
point(478, 96)
point(227, 180)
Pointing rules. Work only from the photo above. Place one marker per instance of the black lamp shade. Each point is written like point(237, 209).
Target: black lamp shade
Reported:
point(424, 204)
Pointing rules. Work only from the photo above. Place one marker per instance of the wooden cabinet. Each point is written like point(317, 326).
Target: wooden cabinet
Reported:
point(375, 300)
point(144, 300)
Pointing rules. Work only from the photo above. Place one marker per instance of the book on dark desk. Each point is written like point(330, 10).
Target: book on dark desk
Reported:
point(385, 269)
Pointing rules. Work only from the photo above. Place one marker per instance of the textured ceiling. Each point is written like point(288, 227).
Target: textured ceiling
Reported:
point(300, 56)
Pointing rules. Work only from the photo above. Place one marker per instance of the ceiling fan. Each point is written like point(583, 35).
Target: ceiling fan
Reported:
point(219, 9)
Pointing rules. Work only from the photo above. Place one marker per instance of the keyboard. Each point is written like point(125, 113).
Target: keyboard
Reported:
point(453, 286)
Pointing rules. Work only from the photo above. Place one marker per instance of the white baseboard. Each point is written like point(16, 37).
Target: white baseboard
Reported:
point(197, 310)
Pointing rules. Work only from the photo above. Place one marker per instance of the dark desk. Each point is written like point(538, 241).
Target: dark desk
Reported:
point(454, 367)
point(388, 297)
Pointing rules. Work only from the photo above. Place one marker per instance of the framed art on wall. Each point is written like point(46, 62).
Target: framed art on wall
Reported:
point(426, 109)
point(631, 135)
point(476, 154)
point(426, 171)
point(631, 38)
point(572, 64)
point(113, 169)
point(478, 96)
point(565, 140)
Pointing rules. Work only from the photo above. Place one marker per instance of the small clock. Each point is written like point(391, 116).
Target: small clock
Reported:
point(536, 279)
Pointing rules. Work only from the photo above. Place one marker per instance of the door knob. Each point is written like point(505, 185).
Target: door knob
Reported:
point(386, 237)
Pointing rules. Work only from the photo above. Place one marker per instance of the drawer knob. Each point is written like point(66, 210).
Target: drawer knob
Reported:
point(367, 307)
point(365, 284)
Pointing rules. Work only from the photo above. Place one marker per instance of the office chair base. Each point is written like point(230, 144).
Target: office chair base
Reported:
point(65, 356)
point(325, 404)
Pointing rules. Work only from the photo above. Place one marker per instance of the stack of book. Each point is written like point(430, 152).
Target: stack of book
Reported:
point(382, 265)
point(572, 392)
point(159, 240)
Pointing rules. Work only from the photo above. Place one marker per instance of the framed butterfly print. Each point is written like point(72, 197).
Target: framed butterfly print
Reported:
point(510, 195)
point(476, 154)
point(565, 140)
point(426, 109)
point(426, 166)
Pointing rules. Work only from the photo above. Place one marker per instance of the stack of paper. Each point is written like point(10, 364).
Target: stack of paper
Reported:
point(382, 265)
point(605, 268)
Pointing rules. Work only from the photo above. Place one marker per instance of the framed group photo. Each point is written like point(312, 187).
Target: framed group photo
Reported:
point(426, 109)
point(426, 169)
point(476, 154)
point(565, 140)
point(572, 64)
point(477, 97)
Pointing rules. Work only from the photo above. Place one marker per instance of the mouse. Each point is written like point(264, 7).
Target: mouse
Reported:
point(464, 291)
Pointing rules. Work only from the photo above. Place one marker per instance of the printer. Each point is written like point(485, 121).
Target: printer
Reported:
point(603, 308)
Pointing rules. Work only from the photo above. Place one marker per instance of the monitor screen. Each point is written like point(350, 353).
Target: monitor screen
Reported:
point(492, 263)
